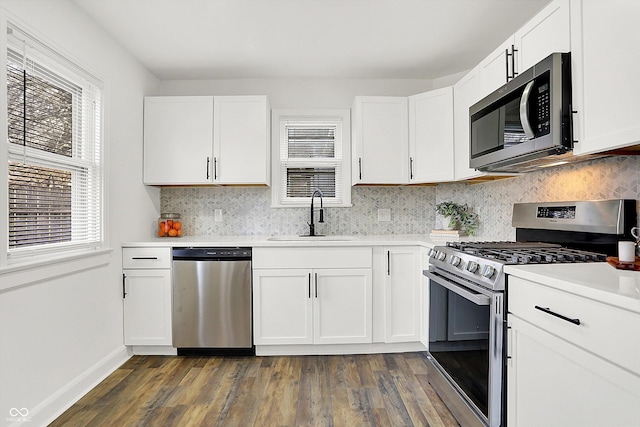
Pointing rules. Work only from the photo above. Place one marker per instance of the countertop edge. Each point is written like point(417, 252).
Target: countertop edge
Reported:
point(617, 288)
point(264, 242)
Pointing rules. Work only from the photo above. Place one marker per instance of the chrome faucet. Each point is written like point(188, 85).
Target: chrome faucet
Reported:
point(312, 227)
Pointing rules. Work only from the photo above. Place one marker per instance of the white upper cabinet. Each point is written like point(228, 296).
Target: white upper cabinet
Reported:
point(241, 152)
point(178, 139)
point(548, 32)
point(497, 68)
point(380, 140)
point(206, 140)
point(605, 55)
point(431, 136)
point(466, 92)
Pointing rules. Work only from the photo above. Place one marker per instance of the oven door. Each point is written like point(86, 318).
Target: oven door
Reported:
point(466, 325)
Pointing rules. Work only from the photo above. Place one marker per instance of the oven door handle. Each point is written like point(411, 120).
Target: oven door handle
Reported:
point(477, 299)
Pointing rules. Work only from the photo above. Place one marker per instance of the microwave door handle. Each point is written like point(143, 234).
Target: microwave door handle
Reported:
point(524, 117)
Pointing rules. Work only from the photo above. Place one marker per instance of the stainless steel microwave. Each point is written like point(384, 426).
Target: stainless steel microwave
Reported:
point(527, 122)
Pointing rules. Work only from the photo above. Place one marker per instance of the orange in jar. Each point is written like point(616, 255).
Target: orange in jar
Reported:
point(177, 225)
point(173, 232)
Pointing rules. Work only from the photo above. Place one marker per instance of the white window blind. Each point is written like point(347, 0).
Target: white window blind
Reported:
point(54, 150)
point(310, 159)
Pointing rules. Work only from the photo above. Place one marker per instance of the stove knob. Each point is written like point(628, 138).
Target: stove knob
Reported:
point(454, 260)
point(441, 256)
point(431, 252)
point(472, 266)
point(488, 271)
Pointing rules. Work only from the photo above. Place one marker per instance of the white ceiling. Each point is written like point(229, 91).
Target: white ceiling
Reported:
point(369, 39)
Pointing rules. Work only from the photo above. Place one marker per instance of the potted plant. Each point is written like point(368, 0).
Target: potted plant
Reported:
point(458, 215)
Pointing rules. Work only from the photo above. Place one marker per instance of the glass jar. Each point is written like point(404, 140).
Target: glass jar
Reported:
point(169, 225)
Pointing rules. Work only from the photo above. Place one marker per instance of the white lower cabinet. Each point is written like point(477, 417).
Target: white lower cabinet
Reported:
point(294, 306)
point(312, 306)
point(554, 383)
point(564, 374)
point(282, 306)
point(402, 294)
point(146, 292)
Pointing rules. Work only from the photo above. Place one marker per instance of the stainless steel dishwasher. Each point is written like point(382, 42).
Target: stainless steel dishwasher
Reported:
point(212, 300)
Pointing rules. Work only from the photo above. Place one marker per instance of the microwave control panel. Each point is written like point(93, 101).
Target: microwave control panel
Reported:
point(543, 103)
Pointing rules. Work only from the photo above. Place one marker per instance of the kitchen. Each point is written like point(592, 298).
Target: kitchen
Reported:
point(49, 356)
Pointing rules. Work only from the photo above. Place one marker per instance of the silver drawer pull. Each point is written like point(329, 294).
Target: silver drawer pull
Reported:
point(560, 316)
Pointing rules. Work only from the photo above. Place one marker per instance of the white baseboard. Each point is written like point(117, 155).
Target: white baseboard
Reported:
point(53, 406)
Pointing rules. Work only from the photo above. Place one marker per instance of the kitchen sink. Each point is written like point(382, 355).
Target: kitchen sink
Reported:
point(311, 238)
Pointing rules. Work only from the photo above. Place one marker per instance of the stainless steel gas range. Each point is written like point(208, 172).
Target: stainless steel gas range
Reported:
point(469, 295)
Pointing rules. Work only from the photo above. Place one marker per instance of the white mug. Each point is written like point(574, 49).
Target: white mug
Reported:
point(626, 252)
point(635, 232)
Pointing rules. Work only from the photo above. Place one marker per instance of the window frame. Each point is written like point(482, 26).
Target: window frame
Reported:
point(54, 59)
point(278, 178)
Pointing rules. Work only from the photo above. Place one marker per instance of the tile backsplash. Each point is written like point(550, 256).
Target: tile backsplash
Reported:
point(247, 210)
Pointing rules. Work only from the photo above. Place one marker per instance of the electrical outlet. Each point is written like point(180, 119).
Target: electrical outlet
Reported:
point(217, 215)
point(384, 215)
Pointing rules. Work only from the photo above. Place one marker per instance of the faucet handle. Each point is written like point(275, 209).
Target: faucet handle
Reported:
point(321, 215)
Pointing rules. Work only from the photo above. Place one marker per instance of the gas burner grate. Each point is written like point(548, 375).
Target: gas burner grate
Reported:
point(509, 252)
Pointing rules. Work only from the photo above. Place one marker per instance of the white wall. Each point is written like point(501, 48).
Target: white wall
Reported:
point(299, 93)
point(60, 336)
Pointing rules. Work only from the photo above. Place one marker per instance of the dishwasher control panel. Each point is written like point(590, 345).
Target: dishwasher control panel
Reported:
point(212, 253)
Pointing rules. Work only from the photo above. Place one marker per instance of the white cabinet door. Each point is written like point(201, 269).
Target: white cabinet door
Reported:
point(380, 140)
point(402, 294)
point(546, 33)
point(147, 307)
point(342, 306)
point(241, 153)
point(554, 383)
point(466, 92)
point(431, 136)
point(282, 306)
point(496, 68)
point(178, 140)
point(605, 49)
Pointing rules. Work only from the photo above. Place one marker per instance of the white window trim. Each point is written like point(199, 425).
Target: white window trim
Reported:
point(34, 258)
point(277, 117)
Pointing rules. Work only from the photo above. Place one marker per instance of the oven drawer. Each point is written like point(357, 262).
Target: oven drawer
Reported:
point(603, 329)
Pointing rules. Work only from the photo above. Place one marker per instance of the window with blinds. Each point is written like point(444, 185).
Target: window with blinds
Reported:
point(310, 159)
point(54, 146)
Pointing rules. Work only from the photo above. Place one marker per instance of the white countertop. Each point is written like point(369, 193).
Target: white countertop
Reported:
point(598, 281)
point(263, 241)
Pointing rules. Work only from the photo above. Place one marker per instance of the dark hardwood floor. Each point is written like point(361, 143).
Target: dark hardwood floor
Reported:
point(353, 390)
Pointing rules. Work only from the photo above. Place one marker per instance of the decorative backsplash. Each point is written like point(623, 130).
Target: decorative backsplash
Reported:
point(247, 210)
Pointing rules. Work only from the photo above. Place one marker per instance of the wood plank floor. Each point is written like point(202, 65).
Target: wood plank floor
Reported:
point(352, 390)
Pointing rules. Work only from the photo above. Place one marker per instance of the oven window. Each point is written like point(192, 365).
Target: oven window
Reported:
point(459, 342)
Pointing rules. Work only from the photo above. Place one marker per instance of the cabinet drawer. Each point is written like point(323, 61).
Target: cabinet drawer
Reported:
point(318, 257)
point(146, 257)
point(603, 329)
